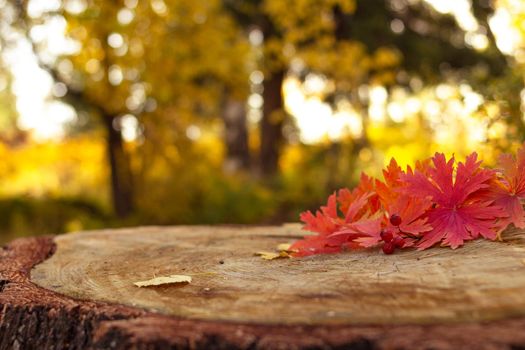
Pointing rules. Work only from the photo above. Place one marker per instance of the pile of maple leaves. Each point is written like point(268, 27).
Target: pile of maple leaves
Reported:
point(437, 201)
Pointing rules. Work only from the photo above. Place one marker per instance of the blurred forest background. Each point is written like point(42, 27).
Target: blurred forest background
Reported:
point(133, 112)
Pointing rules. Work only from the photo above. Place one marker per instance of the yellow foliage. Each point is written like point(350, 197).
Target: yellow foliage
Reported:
point(68, 167)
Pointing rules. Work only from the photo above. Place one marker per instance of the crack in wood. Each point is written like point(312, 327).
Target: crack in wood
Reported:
point(3, 284)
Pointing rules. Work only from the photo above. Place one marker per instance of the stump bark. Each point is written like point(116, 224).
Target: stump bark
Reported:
point(76, 291)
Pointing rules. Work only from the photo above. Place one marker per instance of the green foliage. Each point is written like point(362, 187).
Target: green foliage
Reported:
point(30, 216)
point(208, 198)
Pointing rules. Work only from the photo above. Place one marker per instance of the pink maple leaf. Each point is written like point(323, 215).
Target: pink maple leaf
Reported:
point(509, 191)
point(458, 212)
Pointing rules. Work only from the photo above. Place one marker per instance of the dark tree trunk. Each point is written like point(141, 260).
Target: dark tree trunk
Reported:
point(272, 123)
point(340, 21)
point(235, 136)
point(121, 177)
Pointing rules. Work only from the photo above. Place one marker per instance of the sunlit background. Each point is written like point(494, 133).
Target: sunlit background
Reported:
point(229, 111)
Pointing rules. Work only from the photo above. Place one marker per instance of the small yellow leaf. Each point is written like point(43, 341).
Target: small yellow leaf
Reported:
point(272, 255)
point(284, 254)
point(285, 247)
point(157, 281)
point(268, 255)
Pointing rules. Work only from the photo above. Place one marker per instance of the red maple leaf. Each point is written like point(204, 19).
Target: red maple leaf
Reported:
point(335, 233)
point(412, 213)
point(458, 213)
point(325, 221)
point(387, 190)
point(410, 210)
point(359, 227)
point(509, 191)
point(366, 185)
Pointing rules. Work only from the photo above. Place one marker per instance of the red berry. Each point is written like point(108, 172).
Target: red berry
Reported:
point(398, 242)
point(388, 248)
point(395, 220)
point(386, 236)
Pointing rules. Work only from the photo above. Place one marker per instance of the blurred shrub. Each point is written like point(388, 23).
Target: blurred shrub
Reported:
point(25, 216)
point(214, 199)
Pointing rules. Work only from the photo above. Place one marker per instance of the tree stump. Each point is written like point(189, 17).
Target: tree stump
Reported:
point(76, 291)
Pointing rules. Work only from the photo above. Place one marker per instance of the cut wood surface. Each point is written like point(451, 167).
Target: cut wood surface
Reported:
point(481, 281)
point(77, 291)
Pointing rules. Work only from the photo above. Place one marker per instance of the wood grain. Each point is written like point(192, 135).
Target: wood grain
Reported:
point(479, 282)
point(36, 318)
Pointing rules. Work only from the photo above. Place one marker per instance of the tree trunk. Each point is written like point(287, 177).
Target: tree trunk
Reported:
point(235, 136)
point(272, 123)
point(121, 176)
point(77, 292)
